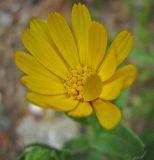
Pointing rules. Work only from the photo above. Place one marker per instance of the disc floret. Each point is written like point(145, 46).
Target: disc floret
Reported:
point(75, 81)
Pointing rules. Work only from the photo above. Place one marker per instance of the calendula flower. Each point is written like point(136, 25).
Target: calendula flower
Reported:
point(70, 69)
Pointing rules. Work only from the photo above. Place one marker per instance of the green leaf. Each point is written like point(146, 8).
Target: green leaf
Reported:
point(80, 149)
point(40, 152)
point(76, 148)
point(91, 154)
point(121, 142)
point(149, 140)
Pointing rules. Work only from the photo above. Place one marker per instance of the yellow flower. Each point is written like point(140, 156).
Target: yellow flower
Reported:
point(68, 69)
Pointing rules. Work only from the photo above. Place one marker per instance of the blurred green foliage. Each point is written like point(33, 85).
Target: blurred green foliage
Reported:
point(143, 55)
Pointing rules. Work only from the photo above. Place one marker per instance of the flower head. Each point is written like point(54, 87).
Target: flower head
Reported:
point(71, 70)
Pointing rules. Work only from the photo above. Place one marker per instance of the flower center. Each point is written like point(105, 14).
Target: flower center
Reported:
point(76, 80)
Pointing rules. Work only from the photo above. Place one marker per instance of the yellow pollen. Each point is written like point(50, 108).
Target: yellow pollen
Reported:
point(75, 81)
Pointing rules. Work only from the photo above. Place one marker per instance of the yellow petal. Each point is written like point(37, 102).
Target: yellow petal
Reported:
point(81, 21)
point(58, 102)
point(44, 85)
point(41, 28)
point(108, 66)
point(127, 74)
point(44, 53)
point(107, 113)
point(30, 66)
point(82, 110)
point(63, 38)
point(111, 89)
point(97, 44)
point(122, 45)
point(92, 87)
